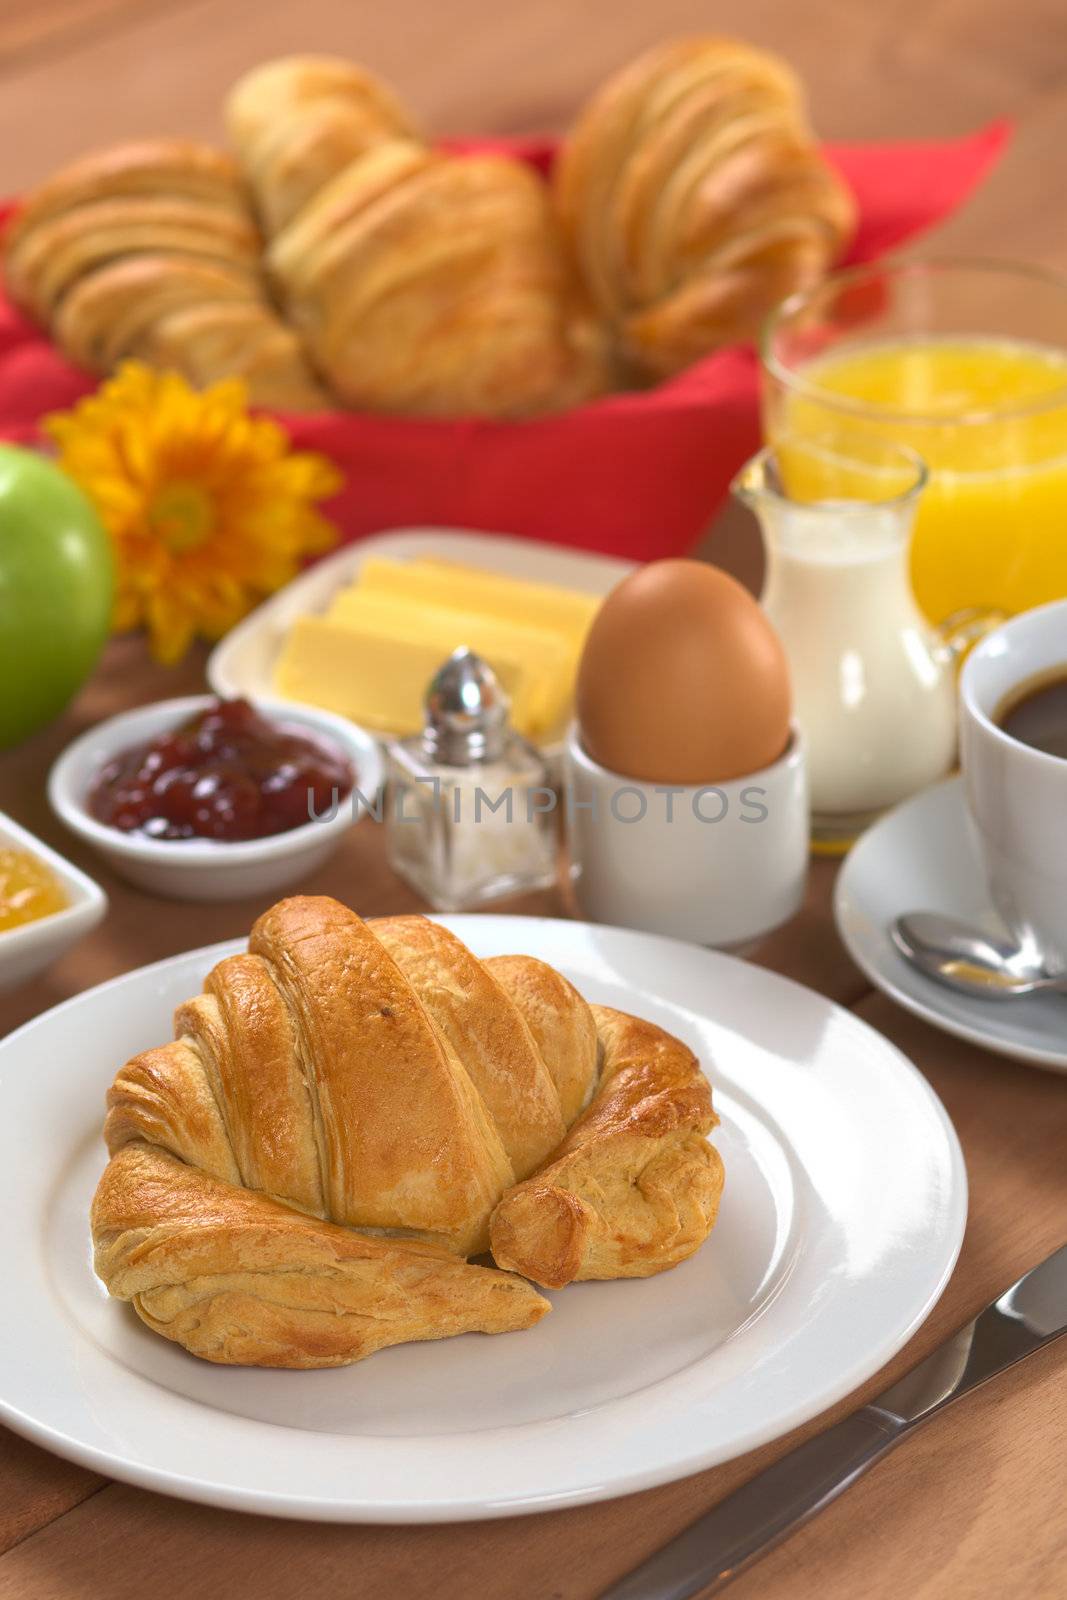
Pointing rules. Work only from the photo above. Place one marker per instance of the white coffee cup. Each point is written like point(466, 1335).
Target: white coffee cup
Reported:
point(1016, 795)
point(718, 864)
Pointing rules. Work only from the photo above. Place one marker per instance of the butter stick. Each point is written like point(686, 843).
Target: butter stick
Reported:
point(377, 678)
point(429, 581)
point(545, 661)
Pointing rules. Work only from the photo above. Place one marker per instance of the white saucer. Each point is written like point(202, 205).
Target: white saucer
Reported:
point(921, 858)
point(832, 1245)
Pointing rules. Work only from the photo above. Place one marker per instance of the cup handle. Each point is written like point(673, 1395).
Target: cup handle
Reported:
point(963, 629)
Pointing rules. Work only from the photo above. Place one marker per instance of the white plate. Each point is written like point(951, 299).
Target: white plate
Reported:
point(921, 858)
point(842, 1217)
point(243, 663)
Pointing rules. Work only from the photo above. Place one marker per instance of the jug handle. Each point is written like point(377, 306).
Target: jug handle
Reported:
point(963, 629)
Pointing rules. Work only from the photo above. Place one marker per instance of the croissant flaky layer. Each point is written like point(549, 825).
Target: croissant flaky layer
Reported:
point(635, 1186)
point(349, 1110)
point(239, 1279)
point(421, 282)
point(151, 250)
point(695, 198)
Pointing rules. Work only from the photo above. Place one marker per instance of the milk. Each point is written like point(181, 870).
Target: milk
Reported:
point(873, 683)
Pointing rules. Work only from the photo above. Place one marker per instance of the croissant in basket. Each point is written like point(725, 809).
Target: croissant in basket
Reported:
point(341, 260)
point(150, 250)
point(422, 282)
point(350, 1110)
point(695, 198)
point(301, 120)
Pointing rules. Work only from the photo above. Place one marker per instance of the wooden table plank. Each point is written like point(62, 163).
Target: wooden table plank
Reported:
point(469, 66)
point(50, 27)
point(36, 1487)
point(997, 1529)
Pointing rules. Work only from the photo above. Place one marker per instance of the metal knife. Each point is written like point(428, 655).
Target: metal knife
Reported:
point(707, 1555)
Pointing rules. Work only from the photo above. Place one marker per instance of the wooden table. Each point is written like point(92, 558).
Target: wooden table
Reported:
point(972, 1508)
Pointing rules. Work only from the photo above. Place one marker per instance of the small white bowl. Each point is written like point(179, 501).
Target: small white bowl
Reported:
point(27, 950)
point(210, 869)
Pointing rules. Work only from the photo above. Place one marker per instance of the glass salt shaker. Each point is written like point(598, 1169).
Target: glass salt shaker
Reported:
point(470, 812)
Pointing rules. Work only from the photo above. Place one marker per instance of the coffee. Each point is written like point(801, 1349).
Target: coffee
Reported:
point(1035, 712)
point(1015, 774)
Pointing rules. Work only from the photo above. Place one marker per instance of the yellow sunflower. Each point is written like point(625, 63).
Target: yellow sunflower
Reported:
point(209, 508)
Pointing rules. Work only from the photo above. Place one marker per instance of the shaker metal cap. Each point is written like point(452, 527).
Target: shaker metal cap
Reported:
point(466, 712)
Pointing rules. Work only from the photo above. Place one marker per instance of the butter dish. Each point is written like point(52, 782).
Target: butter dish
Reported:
point(244, 662)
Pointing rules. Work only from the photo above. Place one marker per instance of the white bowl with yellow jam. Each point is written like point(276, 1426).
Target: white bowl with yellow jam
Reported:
point(46, 904)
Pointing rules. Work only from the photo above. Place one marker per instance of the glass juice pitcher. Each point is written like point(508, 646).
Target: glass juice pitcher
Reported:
point(873, 682)
point(964, 362)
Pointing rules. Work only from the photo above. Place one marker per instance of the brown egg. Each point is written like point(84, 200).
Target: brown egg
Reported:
point(683, 679)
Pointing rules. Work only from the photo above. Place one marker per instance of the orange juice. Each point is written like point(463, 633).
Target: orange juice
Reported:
point(989, 418)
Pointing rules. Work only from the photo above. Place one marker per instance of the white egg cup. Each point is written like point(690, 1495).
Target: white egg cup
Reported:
point(717, 864)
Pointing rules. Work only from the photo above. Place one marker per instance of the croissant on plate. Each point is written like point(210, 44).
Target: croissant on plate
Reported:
point(350, 1110)
point(421, 282)
point(694, 199)
point(113, 254)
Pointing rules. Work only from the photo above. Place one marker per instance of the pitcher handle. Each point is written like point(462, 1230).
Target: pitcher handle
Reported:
point(963, 629)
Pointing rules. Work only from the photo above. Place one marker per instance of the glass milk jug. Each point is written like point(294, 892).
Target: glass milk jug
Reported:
point(873, 683)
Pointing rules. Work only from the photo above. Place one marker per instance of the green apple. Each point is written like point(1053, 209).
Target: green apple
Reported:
point(57, 582)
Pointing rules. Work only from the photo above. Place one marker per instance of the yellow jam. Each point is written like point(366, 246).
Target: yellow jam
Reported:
point(28, 889)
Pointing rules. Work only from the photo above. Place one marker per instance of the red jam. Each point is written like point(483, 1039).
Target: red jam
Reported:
point(227, 774)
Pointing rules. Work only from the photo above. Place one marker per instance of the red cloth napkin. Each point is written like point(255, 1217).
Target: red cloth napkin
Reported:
point(636, 475)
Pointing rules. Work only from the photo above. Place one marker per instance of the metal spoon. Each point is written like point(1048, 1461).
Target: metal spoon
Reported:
point(968, 961)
